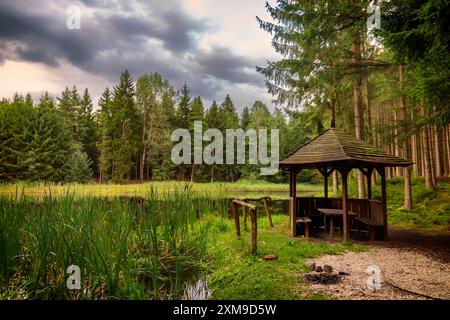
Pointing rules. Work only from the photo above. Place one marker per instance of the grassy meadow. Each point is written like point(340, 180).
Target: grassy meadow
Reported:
point(157, 240)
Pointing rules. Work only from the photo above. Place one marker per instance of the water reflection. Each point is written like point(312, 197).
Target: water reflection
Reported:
point(198, 290)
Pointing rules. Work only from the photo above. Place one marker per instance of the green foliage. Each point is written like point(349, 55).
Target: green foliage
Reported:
point(78, 167)
point(35, 142)
point(183, 110)
point(417, 32)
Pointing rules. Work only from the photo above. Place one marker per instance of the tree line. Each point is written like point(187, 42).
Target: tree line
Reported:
point(128, 136)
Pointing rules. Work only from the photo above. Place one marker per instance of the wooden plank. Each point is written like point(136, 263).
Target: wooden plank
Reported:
point(345, 219)
point(293, 201)
point(245, 204)
point(369, 222)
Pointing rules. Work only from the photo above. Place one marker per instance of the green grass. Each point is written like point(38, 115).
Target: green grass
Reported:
point(236, 274)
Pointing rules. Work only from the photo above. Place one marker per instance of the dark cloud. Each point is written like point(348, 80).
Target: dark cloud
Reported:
point(141, 36)
point(221, 63)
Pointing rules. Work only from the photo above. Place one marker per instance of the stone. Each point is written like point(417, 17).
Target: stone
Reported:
point(319, 269)
point(327, 268)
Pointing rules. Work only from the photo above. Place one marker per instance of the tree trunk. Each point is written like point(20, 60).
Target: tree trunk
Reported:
point(366, 102)
point(431, 150)
point(407, 200)
point(447, 145)
point(398, 170)
point(426, 157)
point(438, 151)
point(142, 165)
point(335, 182)
point(333, 112)
point(358, 110)
point(192, 173)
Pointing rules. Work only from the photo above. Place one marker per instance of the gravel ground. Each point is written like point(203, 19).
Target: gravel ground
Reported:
point(405, 266)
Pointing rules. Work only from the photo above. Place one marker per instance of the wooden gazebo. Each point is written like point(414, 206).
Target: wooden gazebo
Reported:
point(336, 150)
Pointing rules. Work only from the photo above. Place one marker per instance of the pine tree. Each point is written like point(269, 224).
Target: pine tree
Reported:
point(245, 118)
point(106, 135)
point(229, 120)
point(196, 114)
point(88, 128)
point(183, 110)
point(213, 121)
point(78, 168)
point(182, 119)
point(45, 144)
point(125, 125)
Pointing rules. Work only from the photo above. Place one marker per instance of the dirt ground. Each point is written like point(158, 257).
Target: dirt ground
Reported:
point(411, 259)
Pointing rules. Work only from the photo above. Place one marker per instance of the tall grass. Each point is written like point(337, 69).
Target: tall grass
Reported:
point(126, 248)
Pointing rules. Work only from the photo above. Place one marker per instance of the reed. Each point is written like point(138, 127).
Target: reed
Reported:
point(126, 248)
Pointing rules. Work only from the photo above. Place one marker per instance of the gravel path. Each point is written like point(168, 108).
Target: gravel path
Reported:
point(402, 263)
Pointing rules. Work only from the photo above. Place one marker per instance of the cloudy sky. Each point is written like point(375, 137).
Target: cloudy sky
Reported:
point(213, 45)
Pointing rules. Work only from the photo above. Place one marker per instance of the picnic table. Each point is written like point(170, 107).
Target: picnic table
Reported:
point(332, 214)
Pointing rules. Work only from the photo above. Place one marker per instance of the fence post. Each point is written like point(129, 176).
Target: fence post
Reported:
point(254, 230)
point(236, 219)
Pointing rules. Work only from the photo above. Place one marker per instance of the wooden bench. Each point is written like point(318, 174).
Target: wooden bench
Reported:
point(306, 221)
point(371, 224)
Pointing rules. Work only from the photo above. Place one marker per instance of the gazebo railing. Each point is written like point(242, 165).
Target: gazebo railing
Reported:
point(307, 206)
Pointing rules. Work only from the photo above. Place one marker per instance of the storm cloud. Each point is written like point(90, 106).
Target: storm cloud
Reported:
point(141, 36)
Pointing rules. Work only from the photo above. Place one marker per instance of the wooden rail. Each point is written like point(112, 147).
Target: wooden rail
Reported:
point(266, 202)
point(253, 216)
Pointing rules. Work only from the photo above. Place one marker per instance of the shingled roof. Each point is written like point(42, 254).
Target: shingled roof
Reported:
point(333, 146)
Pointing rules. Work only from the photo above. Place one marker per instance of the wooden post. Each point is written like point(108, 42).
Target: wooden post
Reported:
point(236, 219)
point(244, 213)
point(267, 211)
point(325, 186)
point(254, 217)
point(346, 222)
point(369, 183)
point(382, 173)
point(293, 201)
